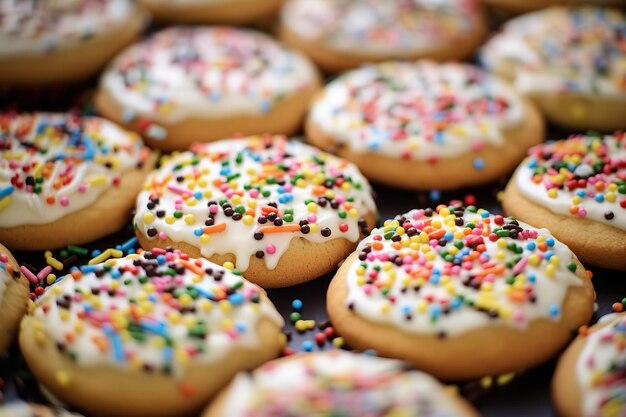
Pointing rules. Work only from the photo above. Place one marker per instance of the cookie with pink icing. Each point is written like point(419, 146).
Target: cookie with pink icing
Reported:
point(158, 332)
point(71, 39)
point(66, 179)
point(196, 84)
point(14, 293)
point(590, 379)
point(570, 61)
point(232, 12)
point(460, 292)
point(333, 383)
point(576, 187)
point(280, 211)
point(343, 34)
point(423, 125)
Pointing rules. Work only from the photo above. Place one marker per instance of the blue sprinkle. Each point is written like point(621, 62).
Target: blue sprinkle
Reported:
point(549, 254)
point(156, 132)
point(197, 195)
point(241, 327)
point(236, 299)
point(205, 293)
point(265, 106)
point(532, 278)
point(550, 241)
point(87, 306)
point(128, 115)
point(554, 310)
point(406, 309)
point(448, 236)
point(215, 95)
point(168, 354)
point(95, 253)
point(115, 274)
point(532, 163)
point(479, 164)
point(370, 352)
point(129, 244)
point(297, 304)
point(307, 346)
point(7, 191)
point(434, 310)
point(434, 195)
point(439, 137)
point(198, 232)
point(484, 214)
point(161, 259)
point(599, 198)
point(456, 303)
point(531, 246)
point(581, 194)
point(85, 269)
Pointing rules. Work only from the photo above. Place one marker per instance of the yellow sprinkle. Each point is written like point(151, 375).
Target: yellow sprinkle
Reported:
point(228, 265)
point(227, 324)
point(338, 342)
point(97, 180)
point(550, 270)
point(311, 207)
point(486, 382)
point(169, 219)
point(190, 219)
point(225, 306)
point(610, 197)
point(552, 193)
point(314, 228)
point(185, 300)
point(64, 315)
point(205, 238)
point(300, 326)
point(63, 378)
point(236, 199)
point(555, 260)
point(4, 203)
point(505, 378)
point(247, 220)
point(101, 258)
point(55, 263)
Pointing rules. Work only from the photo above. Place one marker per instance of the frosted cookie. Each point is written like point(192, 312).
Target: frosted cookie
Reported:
point(590, 379)
point(281, 211)
point(577, 189)
point(424, 125)
point(460, 292)
point(52, 41)
point(186, 85)
point(14, 293)
point(570, 61)
point(212, 11)
point(336, 383)
point(66, 179)
point(160, 333)
point(343, 34)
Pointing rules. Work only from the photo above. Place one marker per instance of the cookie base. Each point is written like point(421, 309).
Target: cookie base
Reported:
point(12, 305)
point(234, 12)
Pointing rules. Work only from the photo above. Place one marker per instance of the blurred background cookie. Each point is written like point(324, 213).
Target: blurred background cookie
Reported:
point(590, 379)
point(343, 34)
point(232, 12)
point(66, 179)
point(570, 61)
point(59, 41)
point(576, 188)
point(280, 211)
point(198, 84)
point(422, 125)
point(152, 334)
point(460, 292)
point(349, 384)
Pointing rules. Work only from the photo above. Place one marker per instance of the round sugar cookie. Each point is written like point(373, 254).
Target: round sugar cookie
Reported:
point(57, 41)
point(570, 61)
point(343, 34)
point(14, 293)
point(590, 378)
point(576, 188)
point(66, 179)
point(197, 84)
point(460, 292)
point(232, 12)
point(423, 125)
point(336, 383)
point(151, 334)
point(281, 211)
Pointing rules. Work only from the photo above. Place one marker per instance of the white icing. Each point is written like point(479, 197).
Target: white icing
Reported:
point(221, 321)
point(41, 26)
point(388, 28)
point(206, 72)
point(238, 238)
point(407, 103)
point(27, 207)
point(347, 384)
point(557, 49)
point(445, 288)
point(563, 201)
point(603, 350)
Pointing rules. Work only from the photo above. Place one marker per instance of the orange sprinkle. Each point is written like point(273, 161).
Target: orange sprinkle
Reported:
point(76, 274)
point(187, 389)
point(583, 330)
point(250, 212)
point(438, 234)
point(280, 229)
point(319, 190)
point(69, 336)
point(348, 205)
point(377, 245)
point(191, 266)
point(517, 296)
point(101, 343)
point(396, 245)
point(268, 209)
point(216, 228)
point(618, 307)
point(498, 269)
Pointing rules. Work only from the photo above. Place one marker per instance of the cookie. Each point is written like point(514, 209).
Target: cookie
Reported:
point(66, 179)
point(460, 292)
point(60, 41)
point(343, 34)
point(570, 61)
point(521, 6)
point(281, 211)
point(14, 293)
point(197, 84)
point(152, 334)
point(23, 409)
point(577, 189)
point(232, 12)
point(590, 377)
point(336, 383)
point(422, 125)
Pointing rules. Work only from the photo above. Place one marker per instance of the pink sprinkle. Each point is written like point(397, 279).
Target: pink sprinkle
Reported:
point(44, 273)
point(270, 249)
point(477, 146)
point(13, 165)
point(82, 187)
point(253, 193)
point(4, 258)
point(582, 212)
point(340, 199)
point(288, 188)
point(29, 275)
point(29, 188)
point(178, 190)
point(519, 266)
point(418, 214)
point(213, 209)
point(434, 243)
point(232, 333)
point(367, 289)
point(312, 218)
point(518, 316)
point(162, 236)
point(65, 201)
